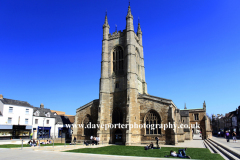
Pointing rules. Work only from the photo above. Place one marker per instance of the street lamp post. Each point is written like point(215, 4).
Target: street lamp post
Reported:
point(43, 128)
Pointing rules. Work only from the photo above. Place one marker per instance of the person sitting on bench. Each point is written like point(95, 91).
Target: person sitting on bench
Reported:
point(85, 142)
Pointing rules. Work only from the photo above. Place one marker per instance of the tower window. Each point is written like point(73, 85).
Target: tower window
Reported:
point(118, 60)
point(117, 116)
point(117, 85)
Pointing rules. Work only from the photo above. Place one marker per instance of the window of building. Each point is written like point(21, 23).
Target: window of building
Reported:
point(10, 110)
point(117, 85)
point(36, 121)
point(9, 120)
point(26, 121)
point(196, 117)
point(47, 114)
point(36, 113)
point(47, 121)
point(152, 117)
point(117, 116)
point(87, 131)
point(27, 111)
point(118, 60)
point(60, 132)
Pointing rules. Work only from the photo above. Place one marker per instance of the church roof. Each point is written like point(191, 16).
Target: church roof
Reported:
point(87, 105)
point(193, 109)
point(147, 96)
point(15, 102)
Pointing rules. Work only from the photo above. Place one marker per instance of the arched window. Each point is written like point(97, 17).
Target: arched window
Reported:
point(117, 116)
point(152, 117)
point(118, 60)
point(87, 121)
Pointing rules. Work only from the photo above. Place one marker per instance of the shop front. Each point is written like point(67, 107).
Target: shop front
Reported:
point(21, 131)
point(15, 131)
point(5, 132)
point(44, 132)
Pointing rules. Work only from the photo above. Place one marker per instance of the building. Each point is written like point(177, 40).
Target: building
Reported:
point(238, 121)
point(44, 122)
point(123, 96)
point(231, 121)
point(62, 120)
point(217, 123)
point(199, 121)
point(18, 119)
point(15, 119)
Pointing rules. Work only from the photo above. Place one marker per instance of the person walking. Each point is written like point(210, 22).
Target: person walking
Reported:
point(31, 135)
point(157, 139)
point(74, 140)
point(234, 136)
point(227, 136)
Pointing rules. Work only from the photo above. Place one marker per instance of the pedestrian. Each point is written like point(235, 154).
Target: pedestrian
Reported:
point(74, 140)
point(227, 136)
point(157, 139)
point(94, 140)
point(97, 140)
point(219, 133)
point(31, 135)
point(91, 139)
point(234, 137)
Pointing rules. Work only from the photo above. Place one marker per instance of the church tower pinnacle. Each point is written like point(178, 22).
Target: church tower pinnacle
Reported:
point(105, 28)
point(139, 32)
point(129, 19)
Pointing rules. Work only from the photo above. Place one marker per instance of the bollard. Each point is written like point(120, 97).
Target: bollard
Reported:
point(53, 143)
point(65, 142)
point(22, 144)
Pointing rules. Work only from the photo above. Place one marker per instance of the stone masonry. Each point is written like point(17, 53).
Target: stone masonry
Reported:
point(123, 96)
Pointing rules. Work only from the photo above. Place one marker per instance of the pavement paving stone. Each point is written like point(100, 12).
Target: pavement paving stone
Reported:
point(230, 144)
point(48, 153)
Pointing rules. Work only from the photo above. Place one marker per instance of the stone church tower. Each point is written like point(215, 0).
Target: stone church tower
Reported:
point(123, 97)
point(122, 78)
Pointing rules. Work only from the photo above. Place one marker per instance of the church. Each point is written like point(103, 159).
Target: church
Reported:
point(124, 99)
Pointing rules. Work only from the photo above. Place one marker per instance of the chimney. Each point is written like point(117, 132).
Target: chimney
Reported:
point(41, 105)
point(1, 96)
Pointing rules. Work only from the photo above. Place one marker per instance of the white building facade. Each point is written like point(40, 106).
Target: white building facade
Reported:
point(18, 119)
point(44, 122)
point(15, 119)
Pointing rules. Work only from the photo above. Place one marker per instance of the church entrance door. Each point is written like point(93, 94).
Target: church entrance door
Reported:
point(118, 137)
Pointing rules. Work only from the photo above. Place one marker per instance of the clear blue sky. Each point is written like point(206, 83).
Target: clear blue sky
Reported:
point(50, 51)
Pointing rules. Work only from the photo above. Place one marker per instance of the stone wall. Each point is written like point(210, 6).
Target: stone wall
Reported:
point(163, 109)
point(90, 109)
